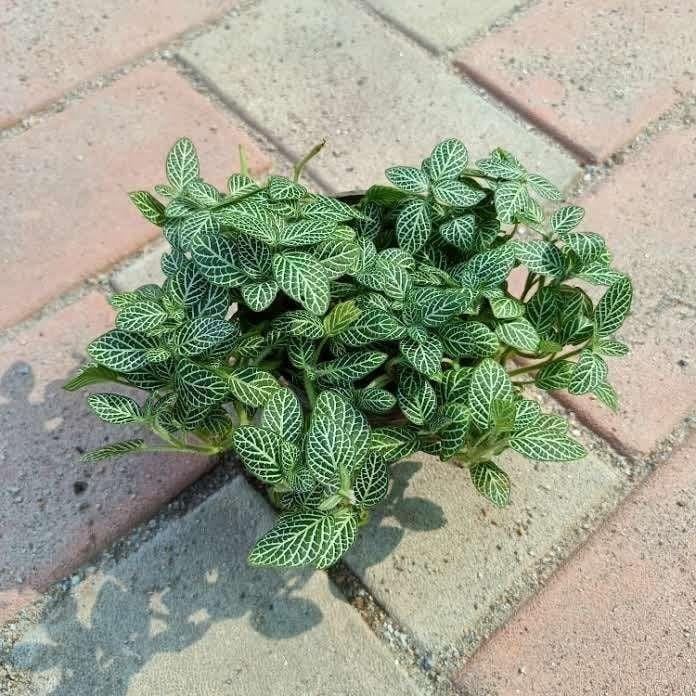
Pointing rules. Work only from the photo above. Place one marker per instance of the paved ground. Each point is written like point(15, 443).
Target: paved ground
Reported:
point(602, 93)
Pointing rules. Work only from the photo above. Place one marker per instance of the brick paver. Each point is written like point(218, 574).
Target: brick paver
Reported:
point(618, 619)
point(641, 210)
point(592, 72)
point(49, 48)
point(186, 615)
point(55, 512)
point(442, 25)
point(321, 80)
point(440, 558)
point(63, 203)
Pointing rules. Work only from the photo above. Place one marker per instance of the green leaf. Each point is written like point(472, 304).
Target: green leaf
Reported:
point(542, 310)
point(447, 160)
point(214, 259)
point(297, 539)
point(115, 408)
point(598, 273)
point(90, 374)
point(343, 315)
point(241, 185)
point(546, 445)
point(202, 194)
point(141, 317)
point(182, 164)
point(200, 334)
point(116, 449)
point(337, 440)
point(457, 194)
point(491, 482)
point(198, 386)
point(152, 210)
point(460, 232)
point(281, 188)
point(519, 334)
point(172, 262)
point(373, 325)
point(349, 367)
point(489, 382)
point(431, 307)
point(502, 165)
point(424, 356)
point(302, 278)
point(455, 385)
point(416, 397)
point(503, 413)
point(374, 400)
point(468, 339)
point(511, 198)
point(338, 257)
point(612, 309)
point(555, 375)
point(393, 443)
point(259, 296)
point(121, 351)
point(610, 347)
point(308, 231)
point(541, 257)
point(330, 209)
point(259, 450)
point(409, 179)
point(526, 413)
point(253, 219)
point(567, 218)
point(453, 435)
point(251, 385)
point(188, 286)
point(413, 225)
point(590, 371)
point(372, 483)
point(493, 266)
point(543, 187)
point(607, 395)
point(283, 415)
point(588, 247)
point(343, 535)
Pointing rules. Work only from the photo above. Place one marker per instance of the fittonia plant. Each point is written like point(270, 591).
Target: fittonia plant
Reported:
point(320, 340)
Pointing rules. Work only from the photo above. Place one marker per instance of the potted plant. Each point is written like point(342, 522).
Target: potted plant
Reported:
point(322, 339)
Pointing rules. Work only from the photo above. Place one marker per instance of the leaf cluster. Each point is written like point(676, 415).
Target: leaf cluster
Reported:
point(322, 339)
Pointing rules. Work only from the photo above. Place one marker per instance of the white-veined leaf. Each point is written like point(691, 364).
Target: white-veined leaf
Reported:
point(115, 408)
point(546, 445)
point(182, 164)
point(302, 278)
point(259, 450)
point(489, 382)
point(491, 482)
point(282, 414)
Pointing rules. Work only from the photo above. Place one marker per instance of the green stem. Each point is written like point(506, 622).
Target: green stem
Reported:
point(243, 164)
point(548, 361)
point(297, 169)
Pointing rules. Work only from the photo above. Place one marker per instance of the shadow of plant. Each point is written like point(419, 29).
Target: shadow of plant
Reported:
point(398, 513)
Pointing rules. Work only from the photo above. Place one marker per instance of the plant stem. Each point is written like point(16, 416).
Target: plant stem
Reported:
point(548, 361)
point(297, 169)
point(243, 164)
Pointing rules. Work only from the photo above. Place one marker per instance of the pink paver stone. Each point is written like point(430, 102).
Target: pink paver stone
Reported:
point(642, 211)
point(64, 206)
point(56, 512)
point(50, 47)
point(618, 620)
point(593, 73)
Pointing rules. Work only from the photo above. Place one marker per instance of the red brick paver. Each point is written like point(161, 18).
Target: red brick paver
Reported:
point(48, 524)
point(63, 204)
point(50, 47)
point(618, 620)
point(642, 210)
point(592, 72)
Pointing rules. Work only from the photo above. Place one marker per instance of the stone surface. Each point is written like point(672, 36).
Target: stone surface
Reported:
point(618, 619)
point(142, 270)
point(55, 512)
point(438, 556)
point(64, 206)
point(641, 211)
point(49, 48)
point(591, 72)
point(335, 73)
point(442, 25)
point(186, 616)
